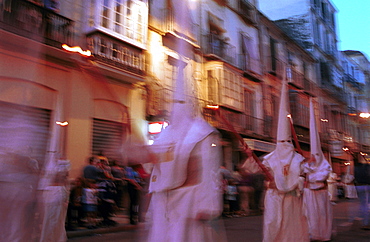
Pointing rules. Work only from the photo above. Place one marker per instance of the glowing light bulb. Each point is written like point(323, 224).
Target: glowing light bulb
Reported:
point(65, 123)
point(77, 49)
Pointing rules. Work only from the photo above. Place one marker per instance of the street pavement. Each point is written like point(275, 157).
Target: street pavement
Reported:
point(240, 229)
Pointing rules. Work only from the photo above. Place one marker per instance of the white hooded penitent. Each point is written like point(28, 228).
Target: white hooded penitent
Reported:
point(315, 197)
point(283, 218)
point(185, 183)
point(320, 169)
point(281, 159)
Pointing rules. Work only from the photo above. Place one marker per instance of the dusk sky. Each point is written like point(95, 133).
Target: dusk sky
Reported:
point(353, 20)
point(353, 25)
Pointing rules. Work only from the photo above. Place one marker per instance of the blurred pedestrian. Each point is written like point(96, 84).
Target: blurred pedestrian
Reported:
point(245, 191)
point(232, 197)
point(90, 202)
point(362, 182)
point(107, 191)
point(258, 184)
point(75, 211)
point(257, 181)
point(349, 185)
point(333, 187)
point(91, 171)
point(133, 187)
point(118, 173)
point(144, 195)
point(104, 170)
point(225, 176)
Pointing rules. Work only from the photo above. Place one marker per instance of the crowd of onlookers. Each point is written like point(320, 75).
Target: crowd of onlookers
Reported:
point(104, 188)
point(243, 192)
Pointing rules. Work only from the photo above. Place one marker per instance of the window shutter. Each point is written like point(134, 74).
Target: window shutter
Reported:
point(108, 138)
point(24, 127)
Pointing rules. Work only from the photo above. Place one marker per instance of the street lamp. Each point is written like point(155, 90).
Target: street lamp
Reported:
point(364, 115)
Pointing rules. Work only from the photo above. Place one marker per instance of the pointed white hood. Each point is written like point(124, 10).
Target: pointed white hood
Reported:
point(316, 150)
point(283, 131)
point(318, 171)
point(284, 161)
point(315, 138)
point(175, 144)
point(182, 111)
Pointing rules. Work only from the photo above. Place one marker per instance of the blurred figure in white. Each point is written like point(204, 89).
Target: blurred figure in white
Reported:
point(53, 201)
point(186, 182)
point(350, 194)
point(18, 184)
point(284, 219)
point(258, 184)
point(349, 184)
point(316, 199)
point(246, 191)
point(333, 187)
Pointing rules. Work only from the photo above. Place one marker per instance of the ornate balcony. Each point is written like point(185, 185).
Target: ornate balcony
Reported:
point(116, 53)
point(295, 77)
point(35, 22)
point(215, 47)
point(275, 66)
point(250, 65)
point(309, 86)
point(353, 82)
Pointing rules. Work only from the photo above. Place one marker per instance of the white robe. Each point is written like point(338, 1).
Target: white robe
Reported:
point(53, 203)
point(18, 183)
point(349, 187)
point(319, 213)
point(174, 211)
point(316, 202)
point(332, 186)
point(54, 206)
point(284, 219)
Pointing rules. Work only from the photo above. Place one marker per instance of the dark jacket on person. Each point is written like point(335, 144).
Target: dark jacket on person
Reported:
point(362, 174)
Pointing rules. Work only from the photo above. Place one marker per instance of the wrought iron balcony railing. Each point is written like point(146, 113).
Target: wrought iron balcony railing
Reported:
point(275, 66)
point(350, 79)
point(217, 46)
point(35, 22)
point(246, 63)
point(334, 91)
point(114, 52)
point(295, 77)
point(309, 86)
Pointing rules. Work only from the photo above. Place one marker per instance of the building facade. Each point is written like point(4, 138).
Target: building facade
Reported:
point(312, 24)
point(60, 103)
point(44, 87)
